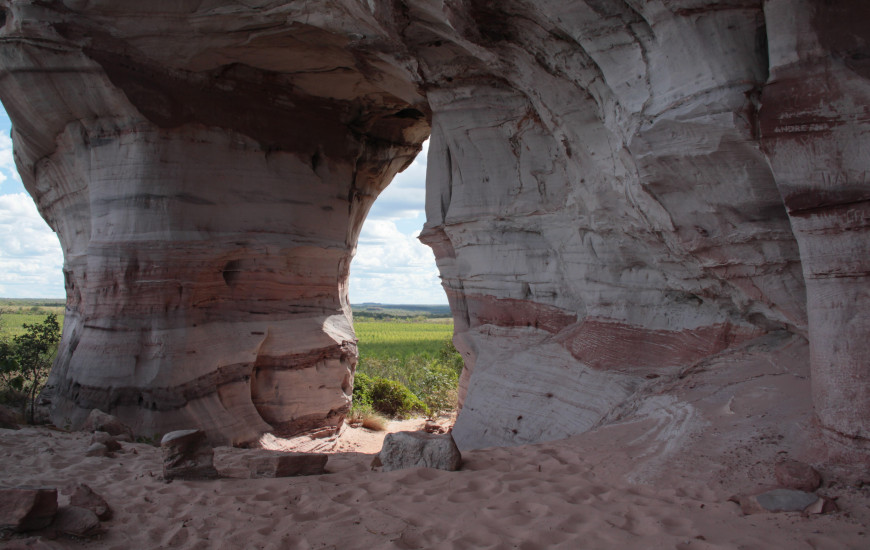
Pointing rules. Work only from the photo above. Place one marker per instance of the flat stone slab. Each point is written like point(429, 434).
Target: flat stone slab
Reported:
point(265, 463)
point(786, 500)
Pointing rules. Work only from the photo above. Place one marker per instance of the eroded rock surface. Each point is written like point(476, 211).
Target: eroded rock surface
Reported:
point(207, 168)
point(617, 191)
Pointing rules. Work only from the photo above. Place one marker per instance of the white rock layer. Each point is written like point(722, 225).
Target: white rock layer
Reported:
point(617, 191)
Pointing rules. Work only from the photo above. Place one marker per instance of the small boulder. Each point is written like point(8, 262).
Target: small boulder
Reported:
point(432, 427)
point(106, 439)
point(796, 475)
point(187, 455)
point(85, 497)
point(419, 450)
point(9, 418)
point(77, 522)
point(98, 421)
point(777, 500)
point(97, 449)
point(279, 464)
point(27, 508)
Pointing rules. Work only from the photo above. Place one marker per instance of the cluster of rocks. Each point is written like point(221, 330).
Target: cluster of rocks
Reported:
point(187, 454)
point(26, 509)
point(798, 483)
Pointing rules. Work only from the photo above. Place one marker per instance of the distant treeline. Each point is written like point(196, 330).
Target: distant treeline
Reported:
point(362, 311)
point(406, 312)
point(30, 302)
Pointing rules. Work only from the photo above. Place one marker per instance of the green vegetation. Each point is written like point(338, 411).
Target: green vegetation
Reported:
point(411, 352)
point(25, 360)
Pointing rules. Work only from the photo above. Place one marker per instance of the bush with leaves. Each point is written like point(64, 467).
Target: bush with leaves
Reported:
point(26, 360)
point(385, 396)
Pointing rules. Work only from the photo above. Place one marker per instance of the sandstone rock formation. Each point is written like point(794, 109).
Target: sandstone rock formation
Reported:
point(207, 168)
point(187, 455)
point(617, 190)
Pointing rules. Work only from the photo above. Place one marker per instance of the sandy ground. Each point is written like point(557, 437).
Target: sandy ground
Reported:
point(659, 477)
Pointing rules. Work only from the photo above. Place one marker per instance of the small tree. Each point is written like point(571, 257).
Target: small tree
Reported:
point(25, 362)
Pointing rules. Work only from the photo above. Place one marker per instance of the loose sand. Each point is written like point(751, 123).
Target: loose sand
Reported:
point(659, 478)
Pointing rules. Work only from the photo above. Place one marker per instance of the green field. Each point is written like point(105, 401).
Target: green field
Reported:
point(401, 339)
point(12, 324)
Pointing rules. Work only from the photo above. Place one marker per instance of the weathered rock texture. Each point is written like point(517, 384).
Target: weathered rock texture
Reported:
point(207, 168)
point(617, 190)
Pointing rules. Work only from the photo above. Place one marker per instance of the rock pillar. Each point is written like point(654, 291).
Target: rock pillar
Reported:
point(208, 195)
point(815, 122)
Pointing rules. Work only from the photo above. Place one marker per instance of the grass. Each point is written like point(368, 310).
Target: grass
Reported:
point(12, 322)
point(419, 355)
point(398, 339)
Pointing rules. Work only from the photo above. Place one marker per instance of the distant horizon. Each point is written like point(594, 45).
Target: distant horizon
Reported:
point(395, 304)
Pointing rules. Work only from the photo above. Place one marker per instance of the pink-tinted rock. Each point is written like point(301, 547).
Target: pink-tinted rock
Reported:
point(27, 508)
point(816, 132)
point(800, 476)
point(77, 522)
point(207, 245)
point(187, 454)
point(280, 464)
point(97, 449)
point(98, 421)
point(9, 418)
point(106, 439)
point(614, 190)
point(85, 497)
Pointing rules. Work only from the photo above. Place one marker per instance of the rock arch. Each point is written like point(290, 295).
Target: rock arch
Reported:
point(616, 191)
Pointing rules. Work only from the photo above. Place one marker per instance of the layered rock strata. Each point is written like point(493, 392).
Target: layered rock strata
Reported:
point(617, 191)
point(208, 170)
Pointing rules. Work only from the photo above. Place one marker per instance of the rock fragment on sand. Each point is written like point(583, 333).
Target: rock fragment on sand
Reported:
point(98, 421)
point(27, 508)
point(432, 427)
point(187, 455)
point(97, 449)
point(85, 497)
point(783, 500)
point(106, 439)
point(279, 464)
point(792, 474)
point(419, 450)
point(77, 522)
point(9, 419)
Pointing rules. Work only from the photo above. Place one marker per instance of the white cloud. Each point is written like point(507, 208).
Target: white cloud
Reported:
point(7, 161)
point(405, 197)
point(392, 266)
point(30, 254)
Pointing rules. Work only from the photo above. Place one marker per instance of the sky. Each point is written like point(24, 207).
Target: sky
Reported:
point(391, 266)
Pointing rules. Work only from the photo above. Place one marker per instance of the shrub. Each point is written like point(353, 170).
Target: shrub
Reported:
point(395, 399)
point(26, 360)
point(384, 396)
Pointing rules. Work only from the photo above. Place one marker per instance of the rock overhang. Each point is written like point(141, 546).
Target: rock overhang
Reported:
point(604, 193)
